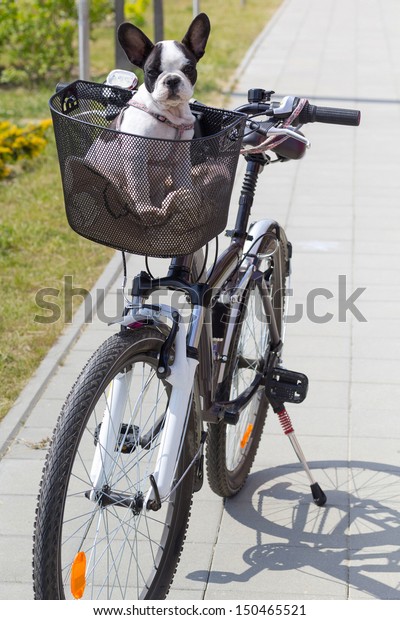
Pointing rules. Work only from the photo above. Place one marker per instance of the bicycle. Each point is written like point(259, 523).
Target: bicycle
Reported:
point(128, 450)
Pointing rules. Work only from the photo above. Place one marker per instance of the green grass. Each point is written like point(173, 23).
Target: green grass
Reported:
point(37, 248)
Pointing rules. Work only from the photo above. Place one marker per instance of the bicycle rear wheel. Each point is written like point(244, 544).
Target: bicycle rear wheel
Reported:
point(231, 449)
point(107, 545)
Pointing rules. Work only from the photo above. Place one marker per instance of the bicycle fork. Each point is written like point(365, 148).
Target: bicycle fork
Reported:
point(180, 375)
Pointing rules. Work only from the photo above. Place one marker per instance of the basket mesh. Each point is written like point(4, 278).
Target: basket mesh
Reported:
point(142, 195)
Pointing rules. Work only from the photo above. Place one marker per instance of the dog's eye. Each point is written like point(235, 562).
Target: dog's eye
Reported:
point(189, 70)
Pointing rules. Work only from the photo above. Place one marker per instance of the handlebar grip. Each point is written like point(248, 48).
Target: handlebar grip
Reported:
point(336, 116)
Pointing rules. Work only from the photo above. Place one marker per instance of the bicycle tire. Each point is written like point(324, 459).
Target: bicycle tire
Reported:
point(128, 555)
point(231, 449)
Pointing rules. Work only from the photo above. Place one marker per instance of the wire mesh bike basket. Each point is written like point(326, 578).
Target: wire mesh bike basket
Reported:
point(143, 195)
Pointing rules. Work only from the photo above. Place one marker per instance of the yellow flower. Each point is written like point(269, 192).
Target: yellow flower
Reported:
point(18, 142)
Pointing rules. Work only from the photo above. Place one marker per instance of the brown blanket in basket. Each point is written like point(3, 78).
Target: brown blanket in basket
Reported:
point(101, 208)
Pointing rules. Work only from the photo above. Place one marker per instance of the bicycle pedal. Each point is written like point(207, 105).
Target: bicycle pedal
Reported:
point(285, 386)
point(126, 442)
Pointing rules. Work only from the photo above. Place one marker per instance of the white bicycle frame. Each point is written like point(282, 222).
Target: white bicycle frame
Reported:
point(181, 378)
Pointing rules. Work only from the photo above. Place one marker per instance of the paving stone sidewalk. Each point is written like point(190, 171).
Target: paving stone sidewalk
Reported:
point(340, 206)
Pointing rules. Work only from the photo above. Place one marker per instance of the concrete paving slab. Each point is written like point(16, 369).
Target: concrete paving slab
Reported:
point(12, 570)
point(340, 207)
point(206, 518)
point(24, 506)
point(44, 415)
point(268, 567)
point(31, 443)
point(20, 476)
point(185, 595)
point(17, 591)
point(197, 557)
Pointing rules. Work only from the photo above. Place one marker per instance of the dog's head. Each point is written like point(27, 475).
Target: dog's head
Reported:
point(169, 66)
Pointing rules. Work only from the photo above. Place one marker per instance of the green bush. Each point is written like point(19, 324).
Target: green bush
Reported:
point(135, 10)
point(39, 37)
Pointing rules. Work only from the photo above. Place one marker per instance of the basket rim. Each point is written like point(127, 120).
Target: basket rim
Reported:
point(236, 116)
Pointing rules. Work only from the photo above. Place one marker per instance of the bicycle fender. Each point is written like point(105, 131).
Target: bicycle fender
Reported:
point(257, 233)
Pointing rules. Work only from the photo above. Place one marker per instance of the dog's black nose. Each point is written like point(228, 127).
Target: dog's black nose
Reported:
point(172, 81)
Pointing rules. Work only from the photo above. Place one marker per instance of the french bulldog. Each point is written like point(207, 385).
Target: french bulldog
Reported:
point(160, 108)
point(145, 164)
point(160, 175)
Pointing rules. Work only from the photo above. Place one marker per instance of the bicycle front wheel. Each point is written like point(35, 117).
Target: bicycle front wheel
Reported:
point(107, 544)
point(231, 449)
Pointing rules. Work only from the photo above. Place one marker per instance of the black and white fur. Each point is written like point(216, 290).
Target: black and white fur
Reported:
point(169, 77)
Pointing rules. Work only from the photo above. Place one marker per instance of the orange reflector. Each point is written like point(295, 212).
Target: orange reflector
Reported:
point(246, 436)
point(78, 572)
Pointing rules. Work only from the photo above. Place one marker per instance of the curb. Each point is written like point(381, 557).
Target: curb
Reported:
point(32, 392)
point(253, 48)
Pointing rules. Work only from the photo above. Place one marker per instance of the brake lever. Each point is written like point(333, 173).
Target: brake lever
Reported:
point(290, 133)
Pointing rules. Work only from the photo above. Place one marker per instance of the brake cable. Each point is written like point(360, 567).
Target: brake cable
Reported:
point(273, 141)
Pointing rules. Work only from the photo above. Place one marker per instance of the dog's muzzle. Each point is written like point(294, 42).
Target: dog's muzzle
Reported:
point(173, 83)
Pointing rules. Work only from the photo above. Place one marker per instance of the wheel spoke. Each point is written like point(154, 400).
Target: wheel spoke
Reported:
point(122, 542)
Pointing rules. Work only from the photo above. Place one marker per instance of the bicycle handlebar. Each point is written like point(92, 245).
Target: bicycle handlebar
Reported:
point(309, 114)
point(335, 116)
point(285, 118)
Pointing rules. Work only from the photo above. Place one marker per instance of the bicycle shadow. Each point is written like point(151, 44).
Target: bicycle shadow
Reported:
point(354, 539)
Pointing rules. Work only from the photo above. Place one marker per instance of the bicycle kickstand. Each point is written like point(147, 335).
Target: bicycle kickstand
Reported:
point(282, 386)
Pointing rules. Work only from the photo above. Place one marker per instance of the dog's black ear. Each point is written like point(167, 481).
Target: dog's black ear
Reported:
point(136, 45)
point(196, 37)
